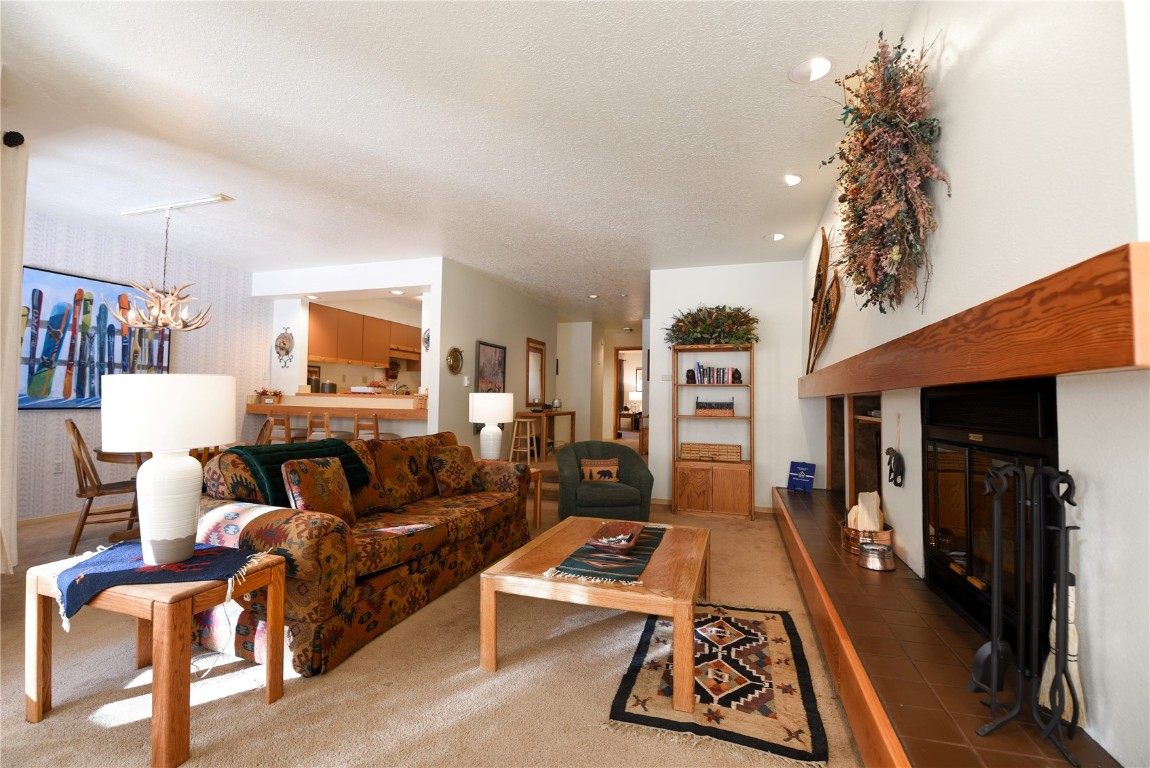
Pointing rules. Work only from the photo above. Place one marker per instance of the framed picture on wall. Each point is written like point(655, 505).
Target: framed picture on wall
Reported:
point(313, 371)
point(490, 367)
point(69, 339)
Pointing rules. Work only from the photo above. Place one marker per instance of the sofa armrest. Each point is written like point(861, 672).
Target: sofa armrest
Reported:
point(318, 547)
point(496, 475)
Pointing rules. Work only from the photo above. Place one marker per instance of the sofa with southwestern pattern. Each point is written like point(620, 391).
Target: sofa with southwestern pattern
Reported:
point(424, 517)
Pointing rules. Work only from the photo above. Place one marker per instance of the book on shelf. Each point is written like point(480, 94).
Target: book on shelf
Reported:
point(709, 374)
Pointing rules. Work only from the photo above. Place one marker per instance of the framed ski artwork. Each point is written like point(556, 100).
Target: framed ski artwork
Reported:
point(69, 339)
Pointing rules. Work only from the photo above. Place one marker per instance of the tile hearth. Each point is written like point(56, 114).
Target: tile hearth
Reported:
point(916, 652)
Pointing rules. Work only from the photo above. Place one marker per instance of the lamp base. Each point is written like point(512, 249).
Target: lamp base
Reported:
point(168, 493)
point(490, 442)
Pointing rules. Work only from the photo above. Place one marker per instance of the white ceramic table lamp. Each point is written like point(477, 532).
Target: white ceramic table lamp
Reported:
point(491, 409)
point(167, 415)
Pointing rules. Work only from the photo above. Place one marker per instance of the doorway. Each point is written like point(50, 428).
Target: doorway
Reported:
point(629, 393)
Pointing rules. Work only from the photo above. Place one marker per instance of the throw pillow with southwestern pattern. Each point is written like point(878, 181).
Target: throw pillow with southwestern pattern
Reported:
point(600, 470)
point(318, 485)
point(454, 468)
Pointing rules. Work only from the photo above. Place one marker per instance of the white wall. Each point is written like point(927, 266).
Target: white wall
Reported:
point(573, 384)
point(236, 341)
point(774, 294)
point(1039, 147)
point(477, 307)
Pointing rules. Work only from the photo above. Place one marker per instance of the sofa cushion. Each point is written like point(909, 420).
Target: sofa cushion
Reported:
point(386, 539)
point(454, 470)
point(318, 485)
point(403, 467)
point(265, 461)
point(599, 470)
point(227, 477)
point(370, 496)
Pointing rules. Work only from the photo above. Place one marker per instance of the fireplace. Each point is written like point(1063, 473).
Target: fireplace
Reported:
point(966, 431)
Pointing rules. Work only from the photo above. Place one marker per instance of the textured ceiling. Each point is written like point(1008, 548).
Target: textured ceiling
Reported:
point(567, 148)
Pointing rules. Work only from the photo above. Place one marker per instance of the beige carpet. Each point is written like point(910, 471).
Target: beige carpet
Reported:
point(414, 696)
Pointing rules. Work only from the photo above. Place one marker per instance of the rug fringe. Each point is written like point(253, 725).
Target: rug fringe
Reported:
point(555, 573)
point(745, 755)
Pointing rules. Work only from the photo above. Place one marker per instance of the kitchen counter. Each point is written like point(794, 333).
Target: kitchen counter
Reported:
point(400, 407)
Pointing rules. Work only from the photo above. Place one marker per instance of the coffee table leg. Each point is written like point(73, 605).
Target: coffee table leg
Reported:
point(488, 630)
point(37, 652)
point(683, 648)
point(171, 682)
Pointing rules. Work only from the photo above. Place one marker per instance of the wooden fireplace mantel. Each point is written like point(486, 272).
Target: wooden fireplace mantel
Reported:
point(1093, 316)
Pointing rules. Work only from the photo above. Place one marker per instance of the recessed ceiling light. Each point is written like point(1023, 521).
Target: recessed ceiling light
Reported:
point(810, 70)
point(312, 296)
point(777, 236)
point(592, 295)
point(792, 179)
point(396, 292)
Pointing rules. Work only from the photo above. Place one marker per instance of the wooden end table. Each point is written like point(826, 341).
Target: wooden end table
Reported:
point(679, 570)
point(536, 477)
point(163, 639)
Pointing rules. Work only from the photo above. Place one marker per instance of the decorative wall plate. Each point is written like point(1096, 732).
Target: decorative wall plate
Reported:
point(284, 345)
point(427, 339)
point(455, 360)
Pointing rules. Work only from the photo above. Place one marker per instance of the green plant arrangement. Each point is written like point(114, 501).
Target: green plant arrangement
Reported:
point(713, 325)
point(887, 156)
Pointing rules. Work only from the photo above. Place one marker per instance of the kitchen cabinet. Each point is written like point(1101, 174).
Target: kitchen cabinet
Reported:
point(377, 341)
point(404, 341)
point(713, 430)
point(349, 339)
point(323, 327)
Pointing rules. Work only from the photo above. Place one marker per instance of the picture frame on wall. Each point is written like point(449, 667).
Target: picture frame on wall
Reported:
point(69, 339)
point(490, 367)
point(313, 371)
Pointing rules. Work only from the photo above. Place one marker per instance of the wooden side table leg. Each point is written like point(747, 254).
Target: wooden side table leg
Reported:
point(488, 628)
point(143, 643)
point(683, 654)
point(37, 652)
point(275, 636)
point(171, 683)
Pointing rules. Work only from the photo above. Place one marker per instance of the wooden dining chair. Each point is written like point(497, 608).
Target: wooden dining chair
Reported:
point(319, 427)
point(283, 431)
point(265, 435)
point(90, 487)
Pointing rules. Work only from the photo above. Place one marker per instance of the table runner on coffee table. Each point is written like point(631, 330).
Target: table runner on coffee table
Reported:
point(590, 564)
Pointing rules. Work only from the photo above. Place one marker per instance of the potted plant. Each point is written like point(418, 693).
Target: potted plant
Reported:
point(268, 396)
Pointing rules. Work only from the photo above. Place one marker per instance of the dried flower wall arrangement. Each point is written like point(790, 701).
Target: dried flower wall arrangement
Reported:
point(713, 325)
point(886, 158)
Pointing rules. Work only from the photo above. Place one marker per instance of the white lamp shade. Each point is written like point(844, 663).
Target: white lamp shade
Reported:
point(166, 412)
point(491, 407)
point(634, 395)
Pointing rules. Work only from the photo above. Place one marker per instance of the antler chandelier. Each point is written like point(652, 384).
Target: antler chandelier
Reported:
point(165, 307)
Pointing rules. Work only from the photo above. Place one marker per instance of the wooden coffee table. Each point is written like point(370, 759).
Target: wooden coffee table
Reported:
point(678, 571)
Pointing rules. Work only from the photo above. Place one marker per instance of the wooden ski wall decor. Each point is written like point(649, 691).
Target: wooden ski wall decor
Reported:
point(824, 305)
point(63, 355)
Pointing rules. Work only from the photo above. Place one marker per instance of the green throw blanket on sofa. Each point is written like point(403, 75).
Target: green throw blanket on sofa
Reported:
point(265, 462)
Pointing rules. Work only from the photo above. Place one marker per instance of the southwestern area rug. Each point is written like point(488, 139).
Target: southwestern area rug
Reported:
point(752, 683)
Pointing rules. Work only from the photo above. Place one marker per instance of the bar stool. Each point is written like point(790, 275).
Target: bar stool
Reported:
point(366, 422)
point(319, 424)
point(283, 431)
point(523, 441)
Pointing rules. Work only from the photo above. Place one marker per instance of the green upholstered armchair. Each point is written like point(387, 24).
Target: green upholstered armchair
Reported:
point(628, 499)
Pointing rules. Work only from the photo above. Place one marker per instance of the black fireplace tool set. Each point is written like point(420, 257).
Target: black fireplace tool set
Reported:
point(993, 660)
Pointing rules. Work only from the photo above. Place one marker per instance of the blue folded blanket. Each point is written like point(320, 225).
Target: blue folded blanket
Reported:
point(265, 462)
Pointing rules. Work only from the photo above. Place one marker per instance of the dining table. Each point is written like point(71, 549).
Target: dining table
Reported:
point(546, 431)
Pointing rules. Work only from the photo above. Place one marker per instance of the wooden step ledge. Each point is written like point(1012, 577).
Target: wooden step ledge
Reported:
point(873, 731)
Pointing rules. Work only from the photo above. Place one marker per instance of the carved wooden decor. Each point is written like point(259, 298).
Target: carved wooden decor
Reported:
point(824, 305)
point(1092, 316)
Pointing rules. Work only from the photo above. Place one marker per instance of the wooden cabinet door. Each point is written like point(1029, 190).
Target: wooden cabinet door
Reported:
point(692, 488)
point(349, 341)
point(322, 331)
point(376, 340)
point(405, 337)
point(731, 489)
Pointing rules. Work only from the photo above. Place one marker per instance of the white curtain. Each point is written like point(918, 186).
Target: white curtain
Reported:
point(13, 183)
